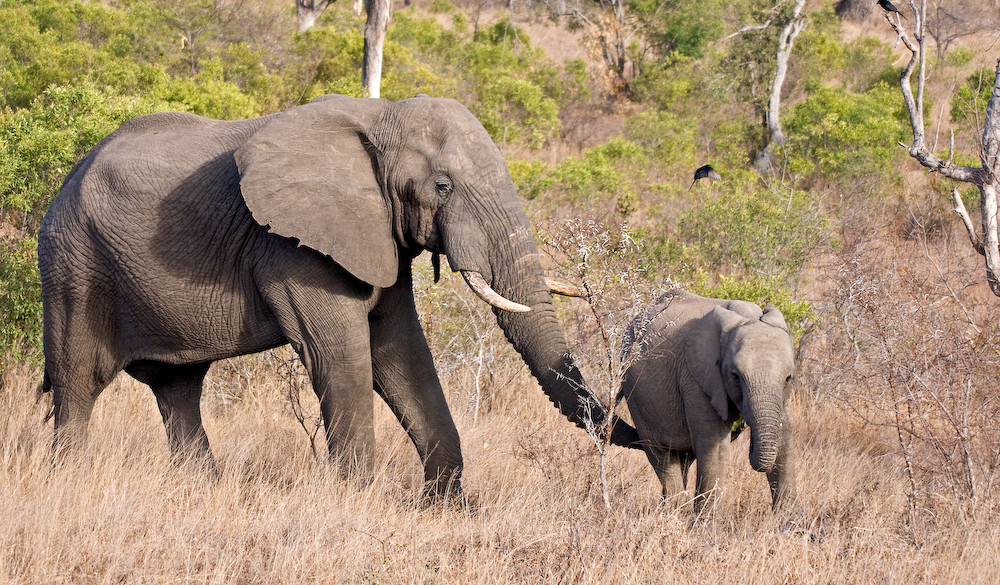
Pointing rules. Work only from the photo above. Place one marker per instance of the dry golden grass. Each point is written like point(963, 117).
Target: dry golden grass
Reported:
point(275, 515)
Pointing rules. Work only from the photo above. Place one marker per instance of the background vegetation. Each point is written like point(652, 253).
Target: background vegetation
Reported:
point(603, 111)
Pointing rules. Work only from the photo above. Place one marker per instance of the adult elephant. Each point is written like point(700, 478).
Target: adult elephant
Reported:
point(695, 365)
point(179, 240)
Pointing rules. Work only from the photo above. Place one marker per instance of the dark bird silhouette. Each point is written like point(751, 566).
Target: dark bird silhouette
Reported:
point(705, 172)
point(888, 7)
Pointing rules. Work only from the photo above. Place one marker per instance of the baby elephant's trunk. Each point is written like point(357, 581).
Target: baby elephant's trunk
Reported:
point(764, 434)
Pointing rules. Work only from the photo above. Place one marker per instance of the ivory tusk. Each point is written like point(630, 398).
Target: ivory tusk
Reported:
point(559, 288)
point(478, 285)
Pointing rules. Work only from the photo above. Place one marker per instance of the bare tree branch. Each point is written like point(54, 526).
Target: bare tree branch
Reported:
point(986, 177)
point(747, 29)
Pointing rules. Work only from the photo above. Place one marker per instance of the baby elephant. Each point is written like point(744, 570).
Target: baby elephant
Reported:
point(694, 366)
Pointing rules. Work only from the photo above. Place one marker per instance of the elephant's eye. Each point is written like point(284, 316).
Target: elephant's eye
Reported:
point(443, 186)
point(788, 379)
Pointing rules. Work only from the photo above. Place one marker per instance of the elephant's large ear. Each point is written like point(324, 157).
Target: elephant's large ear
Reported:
point(772, 316)
point(308, 174)
point(704, 354)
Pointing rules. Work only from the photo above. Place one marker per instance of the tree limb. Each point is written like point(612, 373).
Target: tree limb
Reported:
point(986, 178)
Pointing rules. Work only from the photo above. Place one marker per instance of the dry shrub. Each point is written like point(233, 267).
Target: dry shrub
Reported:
point(910, 348)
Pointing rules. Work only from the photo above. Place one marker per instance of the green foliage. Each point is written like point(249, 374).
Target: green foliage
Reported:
point(20, 300)
point(761, 291)
point(606, 172)
point(664, 136)
point(754, 231)
point(859, 65)
point(836, 135)
point(208, 94)
point(679, 27)
point(51, 42)
point(968, 107)
point(959, 57)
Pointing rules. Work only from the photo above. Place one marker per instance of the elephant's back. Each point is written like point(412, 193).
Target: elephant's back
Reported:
point(664, 320)
point(153, 218)
point(148, 159)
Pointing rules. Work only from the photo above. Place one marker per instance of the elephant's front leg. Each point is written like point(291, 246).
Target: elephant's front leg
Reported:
point(323, 313)
point(405, 377)
point(781, 478)
point(341, 375)
point(710, 438)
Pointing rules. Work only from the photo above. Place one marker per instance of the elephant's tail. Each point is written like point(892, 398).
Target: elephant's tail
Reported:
point(46, 385)
point(44, 388)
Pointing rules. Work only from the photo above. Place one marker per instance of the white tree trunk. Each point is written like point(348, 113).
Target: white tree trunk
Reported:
point(379, 13)
point(786, 41)
point(986, 178)
point(308, 11)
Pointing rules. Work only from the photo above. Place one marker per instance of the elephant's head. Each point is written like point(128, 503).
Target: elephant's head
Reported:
point(372, 183)
point(754, 362)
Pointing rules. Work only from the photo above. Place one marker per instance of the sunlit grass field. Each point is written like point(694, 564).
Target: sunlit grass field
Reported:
point(533, 512)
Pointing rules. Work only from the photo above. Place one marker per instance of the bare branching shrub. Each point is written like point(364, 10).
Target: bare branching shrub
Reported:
point(248, 379)
point(296, 380)
point(604, 260)
point(911, 349)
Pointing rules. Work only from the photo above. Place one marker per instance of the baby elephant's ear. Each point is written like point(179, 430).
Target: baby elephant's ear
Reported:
point(308, 175)
point(704, 352)
point(772, 316)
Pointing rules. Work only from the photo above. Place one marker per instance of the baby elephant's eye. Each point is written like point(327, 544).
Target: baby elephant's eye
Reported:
point(443, 186)
point(788, 379)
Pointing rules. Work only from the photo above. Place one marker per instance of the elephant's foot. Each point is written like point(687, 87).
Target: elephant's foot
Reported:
point(445, 488)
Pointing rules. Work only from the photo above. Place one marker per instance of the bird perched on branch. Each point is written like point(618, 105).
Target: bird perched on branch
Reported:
point(888, 7)
point(705, 172)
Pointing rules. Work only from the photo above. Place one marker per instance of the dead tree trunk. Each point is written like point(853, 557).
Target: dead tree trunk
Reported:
point(308, 11)
point(786, 40)
point(986, 177)
point(379, 13)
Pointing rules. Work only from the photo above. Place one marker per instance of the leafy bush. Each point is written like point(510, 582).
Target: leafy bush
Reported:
point(20, 300)
point(208, 94)
point(61, 43)
point(836, 135)
point(756, 232)
point(608, 172)
point(968, 107)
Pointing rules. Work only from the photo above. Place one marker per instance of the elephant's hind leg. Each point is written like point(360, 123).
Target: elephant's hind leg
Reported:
point(178, 395)
point(78, 366)
point(670, 468)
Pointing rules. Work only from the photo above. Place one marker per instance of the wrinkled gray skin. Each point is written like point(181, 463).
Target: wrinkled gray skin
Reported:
point(180, 240)
point(696, 365)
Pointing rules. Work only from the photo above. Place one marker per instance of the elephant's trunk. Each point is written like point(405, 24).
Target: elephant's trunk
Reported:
point(764, 418)
point(537, 336)
point(497, 255)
